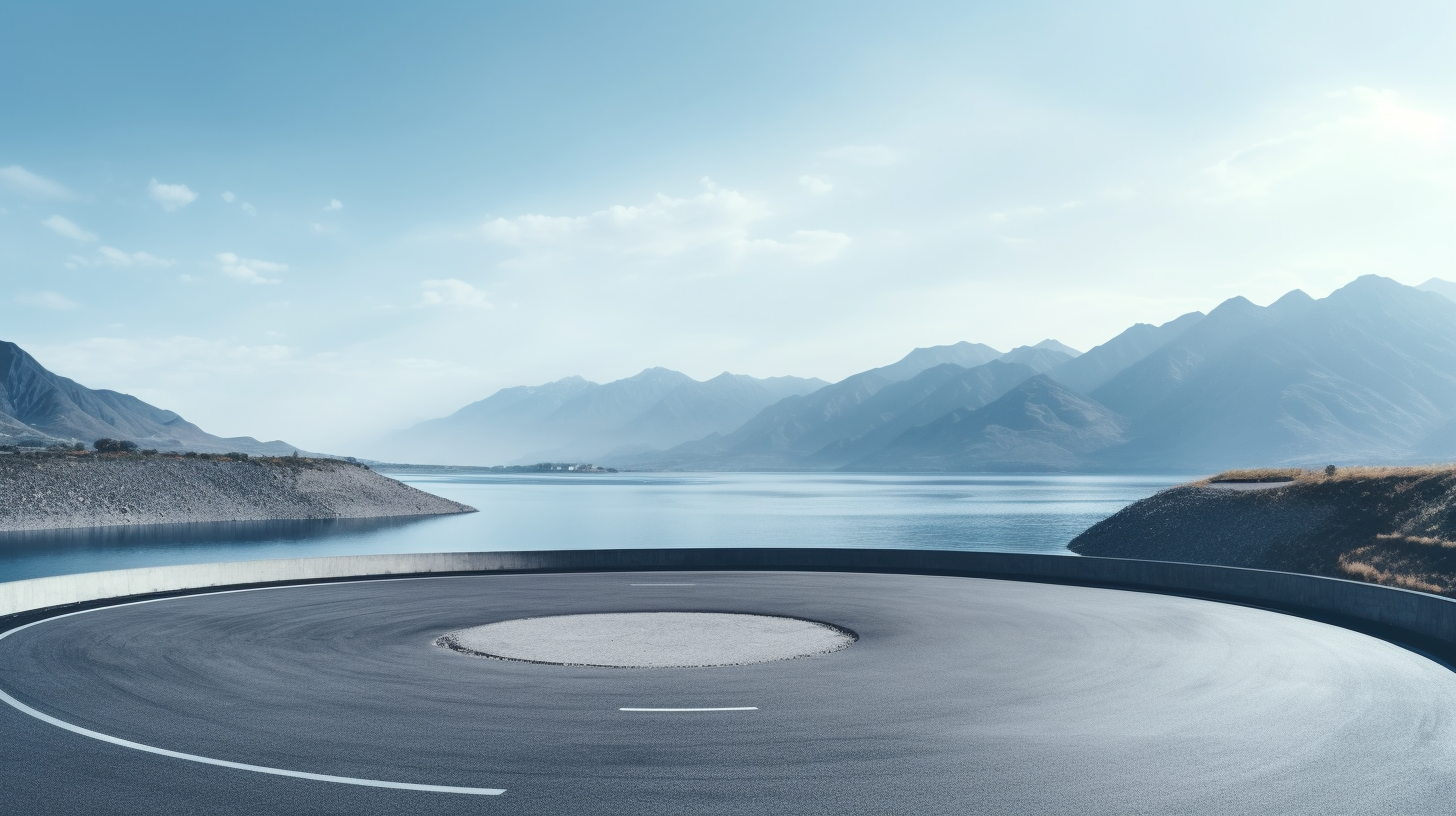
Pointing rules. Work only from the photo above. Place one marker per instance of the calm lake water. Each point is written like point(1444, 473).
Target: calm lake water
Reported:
point(618, 511)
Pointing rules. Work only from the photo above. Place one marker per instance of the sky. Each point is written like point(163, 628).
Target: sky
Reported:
point(320, 222)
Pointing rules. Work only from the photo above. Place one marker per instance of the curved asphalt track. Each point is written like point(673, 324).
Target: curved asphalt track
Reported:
point(962, 696)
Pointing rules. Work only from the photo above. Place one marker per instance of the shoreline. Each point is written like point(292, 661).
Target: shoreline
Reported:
point(80, 491)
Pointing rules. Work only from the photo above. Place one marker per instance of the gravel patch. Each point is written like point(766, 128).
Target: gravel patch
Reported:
point(38, 493)
point(642, 640)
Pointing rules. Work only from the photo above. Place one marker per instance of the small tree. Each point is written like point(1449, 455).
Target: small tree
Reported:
point(107, 445)
point(1329, 471)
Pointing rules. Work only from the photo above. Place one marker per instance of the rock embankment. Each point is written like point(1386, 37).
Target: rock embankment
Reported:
point(1393, 526)
point(55, 491)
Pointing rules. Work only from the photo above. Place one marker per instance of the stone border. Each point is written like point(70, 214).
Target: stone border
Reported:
point(451, 642)
point(1415, 619)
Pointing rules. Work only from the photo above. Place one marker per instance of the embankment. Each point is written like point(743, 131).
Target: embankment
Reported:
point(1392, 526)
point(91, 490)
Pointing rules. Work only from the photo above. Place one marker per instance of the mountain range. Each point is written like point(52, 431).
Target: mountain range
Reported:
point(39, 408)
point(573, 419)
point(1367, 374)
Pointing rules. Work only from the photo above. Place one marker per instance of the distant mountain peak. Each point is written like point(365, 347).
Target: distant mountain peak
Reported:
point(1055, 345)
point(1039, 358)
point(1238, 304)
point(1293, 302)
point(1441, 287)
point(963, 354)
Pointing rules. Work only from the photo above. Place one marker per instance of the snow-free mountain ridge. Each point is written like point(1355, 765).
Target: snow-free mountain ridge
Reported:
point(39, 408)
point(1367, 374)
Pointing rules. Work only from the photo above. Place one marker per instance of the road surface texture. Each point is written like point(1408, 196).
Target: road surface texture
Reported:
point(961, 696)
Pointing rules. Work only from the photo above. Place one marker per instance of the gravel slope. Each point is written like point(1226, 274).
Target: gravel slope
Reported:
point(43, 492)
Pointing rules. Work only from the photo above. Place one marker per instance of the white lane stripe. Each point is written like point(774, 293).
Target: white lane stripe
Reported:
point(96, 735)
point(664, 584)
point(732, 708)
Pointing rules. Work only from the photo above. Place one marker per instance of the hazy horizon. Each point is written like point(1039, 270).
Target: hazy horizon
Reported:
point(266, 218)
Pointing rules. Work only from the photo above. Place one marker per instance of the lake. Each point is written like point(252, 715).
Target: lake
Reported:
point(1038, 514)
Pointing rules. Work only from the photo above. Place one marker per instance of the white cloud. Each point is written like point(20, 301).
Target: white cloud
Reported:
point(111, 256)
point(23, 181)
point(249, 270)
point(714, 221)
point(249, 209)
point(334, 204)
point(47, 300)
point(1364, 135)
point(818, 185)
point(227, 195)
point(867, 155)
point(119, 257)
point(66, 228)
point(452, 292)
point(170, 196)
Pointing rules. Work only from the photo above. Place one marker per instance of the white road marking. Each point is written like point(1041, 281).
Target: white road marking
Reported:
point(664, 584)
point(96, 735)
point(732, 708)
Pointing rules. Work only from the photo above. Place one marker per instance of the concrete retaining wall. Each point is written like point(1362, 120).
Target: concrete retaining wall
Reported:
point(1415, 617)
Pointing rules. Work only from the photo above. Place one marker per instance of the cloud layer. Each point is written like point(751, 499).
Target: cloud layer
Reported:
point(716, 223)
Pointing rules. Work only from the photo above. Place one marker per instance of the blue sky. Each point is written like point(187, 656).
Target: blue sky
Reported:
point(321, 221)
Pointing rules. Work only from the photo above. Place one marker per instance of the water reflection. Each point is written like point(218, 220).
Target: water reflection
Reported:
point(33, 553)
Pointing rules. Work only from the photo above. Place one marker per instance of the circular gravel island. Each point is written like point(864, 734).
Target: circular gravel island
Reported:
point(651, 640)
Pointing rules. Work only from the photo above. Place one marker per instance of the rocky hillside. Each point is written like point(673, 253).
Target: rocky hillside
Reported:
point(43, 491)
point(1393, 526)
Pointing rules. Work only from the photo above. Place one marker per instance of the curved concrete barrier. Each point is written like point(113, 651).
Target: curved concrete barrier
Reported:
point(1427, 622)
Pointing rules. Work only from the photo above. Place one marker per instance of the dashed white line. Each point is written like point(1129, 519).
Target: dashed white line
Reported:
point(664, 584)
point(730, 708)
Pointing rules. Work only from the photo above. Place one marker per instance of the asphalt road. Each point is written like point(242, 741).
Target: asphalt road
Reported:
point(961, 696)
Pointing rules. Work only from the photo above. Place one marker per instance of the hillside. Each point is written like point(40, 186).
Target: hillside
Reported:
point(1366, 374)
point(1039, 425)
point(39, 408)
point(43, 491)
point(574, 419)
point(1392, 526)
point(844, 422)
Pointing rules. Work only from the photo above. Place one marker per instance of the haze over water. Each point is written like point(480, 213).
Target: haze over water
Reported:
point(638, 510)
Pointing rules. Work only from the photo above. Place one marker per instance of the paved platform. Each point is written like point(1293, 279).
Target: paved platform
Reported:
point(961, 696)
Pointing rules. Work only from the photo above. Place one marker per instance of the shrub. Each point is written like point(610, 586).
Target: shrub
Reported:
point(114, 445)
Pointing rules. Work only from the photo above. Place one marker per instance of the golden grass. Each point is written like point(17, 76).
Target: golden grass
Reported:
point(1257, 475)
point(1342, 474)
point(1410, 539)
point(1369, 572)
